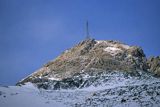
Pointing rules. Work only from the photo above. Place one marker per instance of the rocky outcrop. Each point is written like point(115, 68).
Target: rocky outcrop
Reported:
point(92, 58)
point(154, 65)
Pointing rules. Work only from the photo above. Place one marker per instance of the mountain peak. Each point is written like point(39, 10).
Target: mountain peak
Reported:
point(91, 56)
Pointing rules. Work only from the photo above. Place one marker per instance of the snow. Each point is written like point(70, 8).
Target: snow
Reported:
point(52, 78)
point(117, 79)
point(40, 70)
point(30, 86)
point(125, 46)
point(112, 50)
point(107, 43)
point(29, 96)
point(25, 96)
point(66, 51)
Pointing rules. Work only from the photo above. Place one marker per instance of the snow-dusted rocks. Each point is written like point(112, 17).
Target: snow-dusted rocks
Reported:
point(112, 50)
point(118, 90)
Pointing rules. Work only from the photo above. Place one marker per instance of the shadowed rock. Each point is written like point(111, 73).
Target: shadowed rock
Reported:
point(154, 65)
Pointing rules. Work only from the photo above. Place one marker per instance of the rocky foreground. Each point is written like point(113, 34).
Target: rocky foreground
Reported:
point(118, 90)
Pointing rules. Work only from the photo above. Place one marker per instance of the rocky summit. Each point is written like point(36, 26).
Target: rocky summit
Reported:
point(91, 63)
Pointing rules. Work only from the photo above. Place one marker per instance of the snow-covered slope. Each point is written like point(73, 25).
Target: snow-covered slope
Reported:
point(116, 90)
point(25, 96)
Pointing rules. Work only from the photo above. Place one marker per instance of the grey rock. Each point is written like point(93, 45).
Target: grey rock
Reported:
point(154, 65)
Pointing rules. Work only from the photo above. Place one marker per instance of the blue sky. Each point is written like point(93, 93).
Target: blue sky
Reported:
point(32, 32)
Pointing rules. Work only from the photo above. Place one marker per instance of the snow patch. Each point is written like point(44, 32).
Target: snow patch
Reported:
point(101, 41)
point(125, 46)
point(113, 44)
point(52, 78)
point(112, 50)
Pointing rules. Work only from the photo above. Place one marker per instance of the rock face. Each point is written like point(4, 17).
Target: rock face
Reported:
point(154, 65)
point(93, 59)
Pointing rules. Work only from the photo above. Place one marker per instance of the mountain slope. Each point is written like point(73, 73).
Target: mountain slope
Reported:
point(91, 74)
point(90, 57)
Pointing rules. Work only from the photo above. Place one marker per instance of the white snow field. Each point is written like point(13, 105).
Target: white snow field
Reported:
point(29, 96)
point(117, 92)
point(25, 96)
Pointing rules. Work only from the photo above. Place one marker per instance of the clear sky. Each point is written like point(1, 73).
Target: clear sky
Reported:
point(32, 32)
